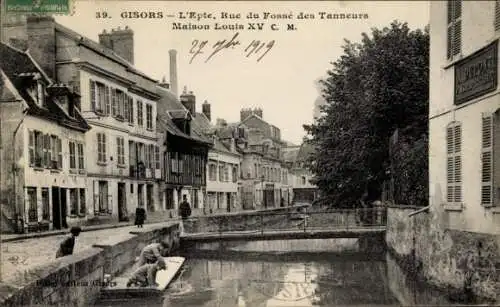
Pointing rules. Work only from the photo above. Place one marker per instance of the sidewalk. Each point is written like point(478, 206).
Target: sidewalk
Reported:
point(24, 236)
point(21, 256)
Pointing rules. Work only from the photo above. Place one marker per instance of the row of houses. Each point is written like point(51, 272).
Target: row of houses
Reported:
point(87, 138)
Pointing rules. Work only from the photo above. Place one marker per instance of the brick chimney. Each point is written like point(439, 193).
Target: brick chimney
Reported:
point(206, 110)
point(188, 100)
point(41, 42)
point(244, 113)
point(164, 83)
point(173, 71)
point(121, 41)
point(258, 112)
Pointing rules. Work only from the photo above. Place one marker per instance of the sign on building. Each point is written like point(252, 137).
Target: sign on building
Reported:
point(477, 74)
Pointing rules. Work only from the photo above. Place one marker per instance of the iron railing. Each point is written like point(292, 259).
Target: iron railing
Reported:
point(287, 220)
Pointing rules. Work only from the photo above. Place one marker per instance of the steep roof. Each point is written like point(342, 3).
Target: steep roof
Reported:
point(169, 105)
point(95, 46)
point(290, 154)
point(19, 67)
point(306, 150)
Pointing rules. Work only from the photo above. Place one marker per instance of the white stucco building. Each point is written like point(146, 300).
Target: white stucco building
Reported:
point(464, 119)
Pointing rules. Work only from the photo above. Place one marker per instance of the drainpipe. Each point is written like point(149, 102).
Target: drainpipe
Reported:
point(14, 171)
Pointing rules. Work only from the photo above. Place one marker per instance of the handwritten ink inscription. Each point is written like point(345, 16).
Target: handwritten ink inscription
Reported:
point(256, 48)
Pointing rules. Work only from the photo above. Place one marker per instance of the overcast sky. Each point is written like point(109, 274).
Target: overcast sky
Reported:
point(281, 83)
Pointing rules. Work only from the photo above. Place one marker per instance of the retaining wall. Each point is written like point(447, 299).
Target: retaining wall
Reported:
point(462, 263)
point(252, 220)
point(77, 280)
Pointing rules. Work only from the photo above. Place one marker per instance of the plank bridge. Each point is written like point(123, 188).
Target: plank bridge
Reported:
point(302, 223)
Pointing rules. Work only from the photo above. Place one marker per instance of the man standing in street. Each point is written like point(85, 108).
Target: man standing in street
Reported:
point(184, 211)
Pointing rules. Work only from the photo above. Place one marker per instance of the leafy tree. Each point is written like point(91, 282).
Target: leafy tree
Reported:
point(377, 86)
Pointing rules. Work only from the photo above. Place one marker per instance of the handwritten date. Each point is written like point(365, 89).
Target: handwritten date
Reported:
point(255, 48)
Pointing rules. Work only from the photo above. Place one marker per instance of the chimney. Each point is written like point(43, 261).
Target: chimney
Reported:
point(42, 42)
point(173, 71)
point(188, 100)
point(121, 41)
point(206, 110)
point(258, 112)
point(164, 83)
point(244, 113)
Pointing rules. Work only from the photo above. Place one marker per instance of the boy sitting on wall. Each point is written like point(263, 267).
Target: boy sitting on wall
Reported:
point(145, 276)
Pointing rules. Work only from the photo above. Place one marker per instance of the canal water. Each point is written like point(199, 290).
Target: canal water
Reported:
point(289, 273)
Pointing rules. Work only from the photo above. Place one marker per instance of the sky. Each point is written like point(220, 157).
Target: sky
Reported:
point(282, 82)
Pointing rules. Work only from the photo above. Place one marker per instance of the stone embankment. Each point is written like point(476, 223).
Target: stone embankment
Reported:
point(466, 265)
point(32, 276)
point(77, 280)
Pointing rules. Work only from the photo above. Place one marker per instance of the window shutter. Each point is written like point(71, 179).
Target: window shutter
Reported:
point(49, 153)
point(113, 102)
point(457, 10)
point(131, 110)
point(457, 37)
point(487, 161)
point(107, 100)
point(31, 147)
point(92, 95)
point(126, 108)
point(497, 15)
point(59, 153)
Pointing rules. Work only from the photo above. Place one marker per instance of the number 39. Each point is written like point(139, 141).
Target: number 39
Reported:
point(101, 15)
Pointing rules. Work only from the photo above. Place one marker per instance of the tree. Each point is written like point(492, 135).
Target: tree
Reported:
point(377, 86)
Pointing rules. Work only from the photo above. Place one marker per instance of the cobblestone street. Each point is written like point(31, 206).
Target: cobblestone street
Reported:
point(21, 257)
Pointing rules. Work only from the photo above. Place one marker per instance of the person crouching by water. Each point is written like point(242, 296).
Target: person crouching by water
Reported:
point(152, 252)
point(145, 276)
point(184, 212)
point(66, 247)
point(140, 216)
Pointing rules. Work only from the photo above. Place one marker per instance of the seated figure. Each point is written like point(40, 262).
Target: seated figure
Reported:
point(145, 276)
point(152, 252)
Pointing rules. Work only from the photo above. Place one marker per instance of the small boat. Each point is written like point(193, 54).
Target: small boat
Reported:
point(118, 286)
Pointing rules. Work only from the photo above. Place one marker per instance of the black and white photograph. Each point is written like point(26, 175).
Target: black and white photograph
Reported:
point(247, 153)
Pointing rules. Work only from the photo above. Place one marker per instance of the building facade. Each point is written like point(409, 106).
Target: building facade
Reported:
point(295, 158)
point(264, 175)
point(185, 152)
point(464, 119)
point(123, 164)
point(44, 164)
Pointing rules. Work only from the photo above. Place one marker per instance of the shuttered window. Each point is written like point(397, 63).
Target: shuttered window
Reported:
point(92, 95)
point(101, 147)
point(497, 15)
point(114, 103)
point(59, 154)
point(107, 100)
point(487, 161)
point(454, 163)
point(454, 29)
point(31, 147)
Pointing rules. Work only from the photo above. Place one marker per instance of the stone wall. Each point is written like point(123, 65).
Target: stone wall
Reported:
point(77, 280)
point(462, 263)
point(238, 221)
point(66, 281)
point(120, 253)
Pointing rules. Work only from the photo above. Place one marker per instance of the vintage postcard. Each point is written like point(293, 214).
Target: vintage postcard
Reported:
point(249, 153)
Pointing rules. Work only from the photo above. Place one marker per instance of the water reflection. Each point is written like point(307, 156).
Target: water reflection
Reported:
point(281, 280)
